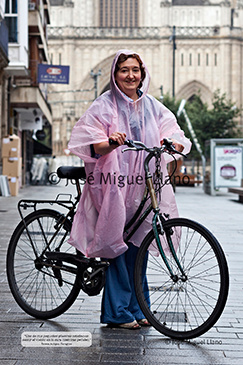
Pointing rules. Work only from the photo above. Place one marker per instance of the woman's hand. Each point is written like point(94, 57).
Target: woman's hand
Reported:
point(178, 146)
point(104, 148)
point(119, 138)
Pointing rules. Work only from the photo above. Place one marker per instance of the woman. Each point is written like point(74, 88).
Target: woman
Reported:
point(115, 181)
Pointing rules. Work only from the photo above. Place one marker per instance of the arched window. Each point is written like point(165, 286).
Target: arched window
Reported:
point(118, 13)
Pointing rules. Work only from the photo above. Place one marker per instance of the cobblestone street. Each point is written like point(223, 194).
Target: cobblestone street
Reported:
point(222, 345)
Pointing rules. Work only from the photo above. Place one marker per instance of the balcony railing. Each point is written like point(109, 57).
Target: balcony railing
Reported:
point(197, 31)
point(139, 32)
point(100, 33)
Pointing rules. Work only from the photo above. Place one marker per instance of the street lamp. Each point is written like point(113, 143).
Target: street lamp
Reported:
point(182, 110)
point(95, 77)
point(161, 98)
point(173, 40)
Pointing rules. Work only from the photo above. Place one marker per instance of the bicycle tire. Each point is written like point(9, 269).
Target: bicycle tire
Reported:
point(183, 309)
point(39, 290)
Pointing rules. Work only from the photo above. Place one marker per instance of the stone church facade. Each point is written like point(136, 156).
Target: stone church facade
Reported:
point(187, 45)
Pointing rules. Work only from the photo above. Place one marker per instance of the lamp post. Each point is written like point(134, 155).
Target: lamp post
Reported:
point(95, 77)
point(173, 39)
point(194, 137)
point(161, 94)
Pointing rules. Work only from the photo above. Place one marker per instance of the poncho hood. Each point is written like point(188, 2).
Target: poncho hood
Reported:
point(114, 88)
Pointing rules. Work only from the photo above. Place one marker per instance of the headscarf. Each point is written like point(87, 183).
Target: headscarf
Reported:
point(106, 205)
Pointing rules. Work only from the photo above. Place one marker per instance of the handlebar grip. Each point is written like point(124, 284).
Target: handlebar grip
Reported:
point(112, 142)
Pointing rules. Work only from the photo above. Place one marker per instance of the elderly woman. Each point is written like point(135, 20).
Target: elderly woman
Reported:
point(115, 182)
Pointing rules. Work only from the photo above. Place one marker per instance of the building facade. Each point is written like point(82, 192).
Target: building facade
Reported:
point(26, 99)
point(187, 45)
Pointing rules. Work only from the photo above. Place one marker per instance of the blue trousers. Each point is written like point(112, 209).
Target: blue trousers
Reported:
point(119, 302)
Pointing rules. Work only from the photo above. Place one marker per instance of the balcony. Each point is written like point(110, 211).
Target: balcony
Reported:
point(25, 96)
point(29, 94)
point(36, 29)
point(130, 33)
point(3, 45)
point(38, 18)
point(104, 33)
point(70, 32)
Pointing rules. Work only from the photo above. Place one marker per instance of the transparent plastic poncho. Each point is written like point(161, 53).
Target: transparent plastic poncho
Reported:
point(116, 182)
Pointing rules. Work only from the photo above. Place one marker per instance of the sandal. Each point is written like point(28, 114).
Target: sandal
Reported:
point(131, 326)
point(144, 322)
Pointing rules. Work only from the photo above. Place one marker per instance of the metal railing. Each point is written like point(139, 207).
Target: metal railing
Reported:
point(138, 32)
point(100, 33)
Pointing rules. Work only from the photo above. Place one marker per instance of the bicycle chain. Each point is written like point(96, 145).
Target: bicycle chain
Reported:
point(158, 177)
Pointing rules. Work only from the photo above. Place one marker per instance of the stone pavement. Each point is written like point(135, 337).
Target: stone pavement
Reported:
point(223, 344)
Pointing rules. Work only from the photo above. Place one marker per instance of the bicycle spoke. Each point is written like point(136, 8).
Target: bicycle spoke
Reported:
point(183, 306)
point(41, 290)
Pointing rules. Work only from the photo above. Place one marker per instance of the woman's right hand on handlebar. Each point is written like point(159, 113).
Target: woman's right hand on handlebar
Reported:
point(177, 146)
point(116, 139)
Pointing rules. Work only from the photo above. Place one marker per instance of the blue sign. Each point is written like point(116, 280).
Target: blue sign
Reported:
point(53, 74)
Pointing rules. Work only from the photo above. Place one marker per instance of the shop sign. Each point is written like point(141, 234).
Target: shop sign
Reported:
point(51, 74)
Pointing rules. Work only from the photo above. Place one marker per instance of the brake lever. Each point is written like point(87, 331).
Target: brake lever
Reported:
point(129, 149)
point(168, 143)
point(130, 143)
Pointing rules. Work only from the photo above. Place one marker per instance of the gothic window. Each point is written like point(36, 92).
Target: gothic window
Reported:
point(11, 18)
point(207, 59)
point(118, 13)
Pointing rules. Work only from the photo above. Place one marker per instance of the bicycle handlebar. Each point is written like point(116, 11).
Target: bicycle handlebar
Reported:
point(167, 146)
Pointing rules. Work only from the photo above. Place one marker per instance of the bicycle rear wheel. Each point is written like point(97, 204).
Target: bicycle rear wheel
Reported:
point(183, 307)
point(39, 286)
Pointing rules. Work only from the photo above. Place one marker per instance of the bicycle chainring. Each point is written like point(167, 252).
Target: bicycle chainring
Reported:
point(90, 281)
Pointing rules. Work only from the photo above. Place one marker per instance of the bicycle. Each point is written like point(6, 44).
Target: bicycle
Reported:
point(187, 272)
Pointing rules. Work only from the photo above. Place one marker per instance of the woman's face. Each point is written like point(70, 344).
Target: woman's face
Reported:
point(128, 77)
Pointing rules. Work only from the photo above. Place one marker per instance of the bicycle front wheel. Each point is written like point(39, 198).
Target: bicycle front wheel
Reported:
point(39, 286)
point(182, 306)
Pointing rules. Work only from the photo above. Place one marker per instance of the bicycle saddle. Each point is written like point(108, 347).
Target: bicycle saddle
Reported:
point(71, 172)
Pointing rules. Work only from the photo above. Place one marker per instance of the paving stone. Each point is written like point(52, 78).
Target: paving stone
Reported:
point(221, 345)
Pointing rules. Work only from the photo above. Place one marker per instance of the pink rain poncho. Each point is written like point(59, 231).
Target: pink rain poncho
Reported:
point(115, 182)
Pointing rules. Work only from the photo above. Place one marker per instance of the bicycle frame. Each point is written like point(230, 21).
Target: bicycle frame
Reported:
point(134, 223)
point(158, 219)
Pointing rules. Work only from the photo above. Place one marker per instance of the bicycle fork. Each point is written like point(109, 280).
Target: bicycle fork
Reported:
point(157, 222)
